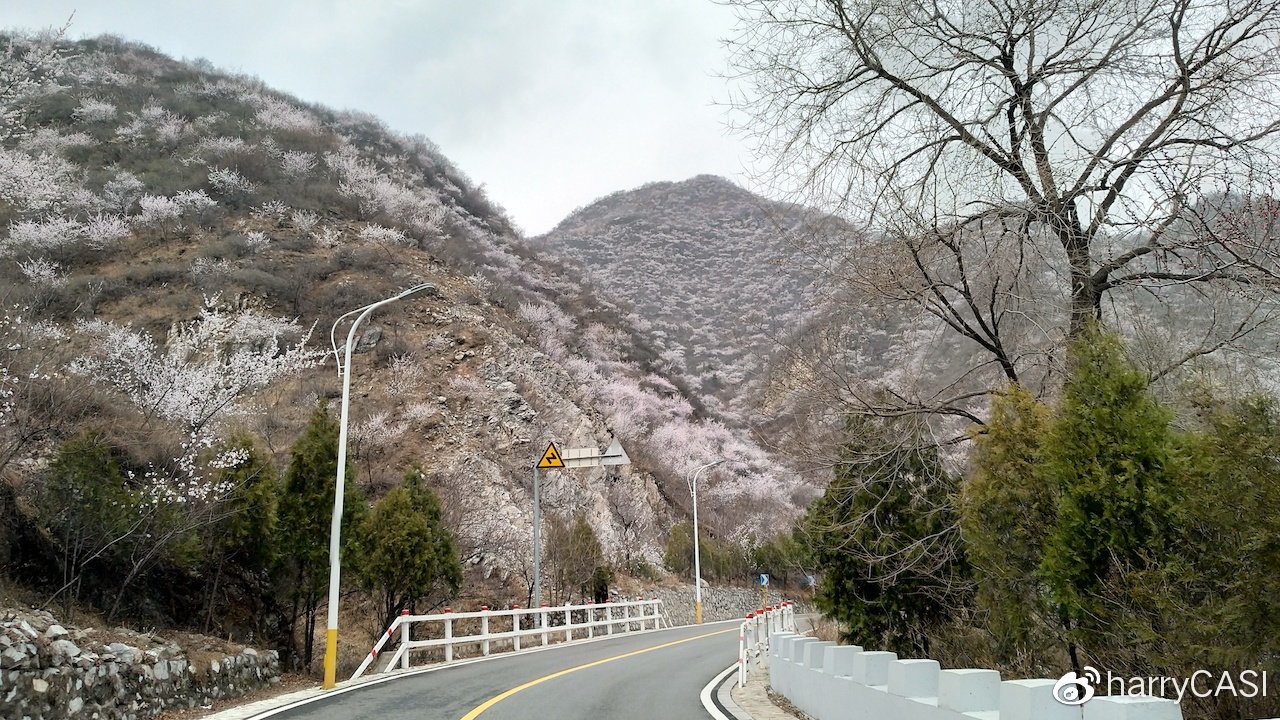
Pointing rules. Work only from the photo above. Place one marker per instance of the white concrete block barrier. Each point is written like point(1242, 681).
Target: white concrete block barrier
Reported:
point(829, 682)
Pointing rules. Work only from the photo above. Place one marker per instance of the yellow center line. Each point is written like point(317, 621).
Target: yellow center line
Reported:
point(503, 696)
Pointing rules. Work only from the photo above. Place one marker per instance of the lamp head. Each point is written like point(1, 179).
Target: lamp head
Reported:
point(416, 290)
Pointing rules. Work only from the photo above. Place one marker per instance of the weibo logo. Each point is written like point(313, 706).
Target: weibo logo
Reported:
point(1072, 689)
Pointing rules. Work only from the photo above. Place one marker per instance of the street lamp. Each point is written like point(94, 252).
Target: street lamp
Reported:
point(335, 526)
point(697, 565)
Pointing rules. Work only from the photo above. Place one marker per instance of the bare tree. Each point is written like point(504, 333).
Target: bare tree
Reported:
point(1023, 164)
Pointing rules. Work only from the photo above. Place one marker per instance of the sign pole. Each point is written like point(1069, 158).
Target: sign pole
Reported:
point(550, 459)
point(553, 459)
point(537, 553)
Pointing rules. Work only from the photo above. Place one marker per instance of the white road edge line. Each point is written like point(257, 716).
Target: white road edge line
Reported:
point(705, 695)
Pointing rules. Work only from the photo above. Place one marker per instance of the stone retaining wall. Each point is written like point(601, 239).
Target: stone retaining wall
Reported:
point(718, 603)
point(50, 673)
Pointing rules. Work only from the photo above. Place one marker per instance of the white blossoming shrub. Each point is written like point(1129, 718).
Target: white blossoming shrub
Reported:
point(226, 181)
point(271, 210)
point(197, 378)
point(49, 234)
point(36, 184)
point(407, 375)
point(222, 146)
point(122, 191)
point(157, 209)
point(280, 115)
point(328, 237)
point(204, 270)
point(49, 141)
point(296, 164)
point(95, 111)
point(103, 231)
point(383, 235)
point(156, 121)
point(305, 221)
point(256, 241)
point(42, 273)
point(194, 200)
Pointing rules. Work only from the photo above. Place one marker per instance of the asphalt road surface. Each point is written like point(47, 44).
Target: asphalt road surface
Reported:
point(649, 676)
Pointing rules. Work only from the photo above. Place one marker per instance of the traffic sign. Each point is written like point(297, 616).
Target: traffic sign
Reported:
point(593, 457)
point(551, 458)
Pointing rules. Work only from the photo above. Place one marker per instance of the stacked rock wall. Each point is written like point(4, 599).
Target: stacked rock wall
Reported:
point(718, 602)
point(50, 673)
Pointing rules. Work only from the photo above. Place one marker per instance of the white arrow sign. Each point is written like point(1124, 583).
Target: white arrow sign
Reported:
point(592, 457)
point(615, 455)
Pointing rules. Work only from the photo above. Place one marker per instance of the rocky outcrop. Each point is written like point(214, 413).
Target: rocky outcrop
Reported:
point(48, 672)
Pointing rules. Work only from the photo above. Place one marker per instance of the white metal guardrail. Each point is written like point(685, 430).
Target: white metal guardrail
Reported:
point(754, 634)
point(501, 630)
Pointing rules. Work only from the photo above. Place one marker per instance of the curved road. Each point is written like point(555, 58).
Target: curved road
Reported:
point(647, 676)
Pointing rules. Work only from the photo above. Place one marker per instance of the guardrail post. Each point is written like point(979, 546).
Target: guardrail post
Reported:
point(544, 619)
point(448, 635)
point(657, 616)
point(484, 630)
point(591, 619)
point(626, 616)
point(760, 641)
point(568, 623)
point(515, 628)
point(404, 641)
point(608, 616)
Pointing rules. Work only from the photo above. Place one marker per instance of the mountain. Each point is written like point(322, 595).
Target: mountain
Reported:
point(176, 242)
point(713, 271)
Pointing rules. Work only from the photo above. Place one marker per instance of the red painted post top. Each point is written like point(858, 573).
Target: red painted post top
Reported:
point(448, 610)
point(515, 607)
point(544, 604)
point(404, 612)
point(750, 615)
point(484, 608)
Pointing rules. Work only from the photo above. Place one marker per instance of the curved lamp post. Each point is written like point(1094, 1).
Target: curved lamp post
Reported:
point(335, 526)
point(697, 565)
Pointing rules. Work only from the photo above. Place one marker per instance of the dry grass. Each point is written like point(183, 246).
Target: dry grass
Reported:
point(826, 629)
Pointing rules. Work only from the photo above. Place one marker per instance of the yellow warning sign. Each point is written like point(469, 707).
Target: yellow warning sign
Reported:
point(551, 458)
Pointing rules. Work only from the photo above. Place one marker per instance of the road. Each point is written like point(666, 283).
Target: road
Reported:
point(648, 676)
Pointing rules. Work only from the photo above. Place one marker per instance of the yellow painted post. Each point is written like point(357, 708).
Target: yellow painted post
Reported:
point(330, 657)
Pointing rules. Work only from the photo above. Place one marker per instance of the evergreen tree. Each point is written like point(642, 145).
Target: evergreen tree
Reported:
point(1007, 506)
point(306, 510)
point(241, 548)
point(93, 511)
point(1213, 600)
point(1108, 453)
point(883, 537)
point(407, 554)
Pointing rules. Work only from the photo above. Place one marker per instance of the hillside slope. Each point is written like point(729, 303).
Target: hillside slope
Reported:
point(711, 267)
point(177, 242)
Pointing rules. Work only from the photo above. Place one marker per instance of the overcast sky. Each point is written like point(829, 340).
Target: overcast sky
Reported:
point(550, 104)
